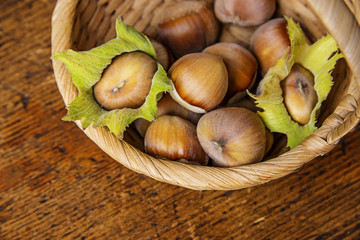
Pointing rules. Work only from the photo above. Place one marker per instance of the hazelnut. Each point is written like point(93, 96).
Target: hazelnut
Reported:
point(141, 125)
point(269, 43)
point(232, 136)
point(241, 66)
point(174, 138)
point(188, 26)
point(244, 12)
point(237, 34)
point(299, 94)
point(200, 81)
point(163, 54)
point(126, 81)
point(167, 106)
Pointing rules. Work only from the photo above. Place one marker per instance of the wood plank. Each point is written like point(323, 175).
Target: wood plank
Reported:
point(57, 184)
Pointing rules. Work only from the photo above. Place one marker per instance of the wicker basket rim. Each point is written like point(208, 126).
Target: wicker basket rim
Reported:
point(344, 119)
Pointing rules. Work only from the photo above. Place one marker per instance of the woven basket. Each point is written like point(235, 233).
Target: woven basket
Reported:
point(81, 25)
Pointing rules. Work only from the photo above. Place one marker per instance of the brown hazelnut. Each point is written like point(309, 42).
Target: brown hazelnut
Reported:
point(200, 81)
point(237, 34)
point(232, 136)
point(241, 65)
point(244, 12)
point(167, 106)
point(126, 81)
point(174, 138)
point(188, 26)
point(163, 54)
point(299, 94)
point(269, 43)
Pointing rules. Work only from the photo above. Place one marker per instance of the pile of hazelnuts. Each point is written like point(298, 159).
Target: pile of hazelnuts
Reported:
point(207, 118)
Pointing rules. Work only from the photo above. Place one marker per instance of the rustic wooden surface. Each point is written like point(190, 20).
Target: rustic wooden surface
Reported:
point(57, 184)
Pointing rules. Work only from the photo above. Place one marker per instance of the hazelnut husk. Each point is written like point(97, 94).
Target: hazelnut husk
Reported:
point(188, 26)
point(126, 81)
point(269, 43)
point(299, 94)
point(173, 138)
point(241, 65)
point(200, 81)
point(232, 136)
point(244, 12)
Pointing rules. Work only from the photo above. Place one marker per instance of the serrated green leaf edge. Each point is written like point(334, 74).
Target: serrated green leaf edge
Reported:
point(86, 68)
point(319, 58)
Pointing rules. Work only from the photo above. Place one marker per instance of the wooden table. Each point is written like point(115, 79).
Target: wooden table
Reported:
point(57, 184)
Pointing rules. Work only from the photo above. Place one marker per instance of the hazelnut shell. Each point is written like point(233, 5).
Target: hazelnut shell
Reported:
point(241, 65)
point(244, 12)
point(188, 26)
point(174, 138)
point(269, 43)
point(200, 81)
point(232, 136)
point(126, 81)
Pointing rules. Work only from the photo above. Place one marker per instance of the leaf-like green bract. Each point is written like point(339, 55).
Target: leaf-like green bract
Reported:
point(86, 68)
point(320, 59)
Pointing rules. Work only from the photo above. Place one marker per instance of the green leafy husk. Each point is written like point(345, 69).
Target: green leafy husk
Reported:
point(320, 59)
point(86, 68)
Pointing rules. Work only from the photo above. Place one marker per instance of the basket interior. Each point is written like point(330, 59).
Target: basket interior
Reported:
point(94, 25)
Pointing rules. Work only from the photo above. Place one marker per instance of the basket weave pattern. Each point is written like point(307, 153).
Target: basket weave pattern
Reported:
point(81, 25)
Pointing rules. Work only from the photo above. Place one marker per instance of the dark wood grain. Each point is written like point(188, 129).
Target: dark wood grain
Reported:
point(57, 184)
